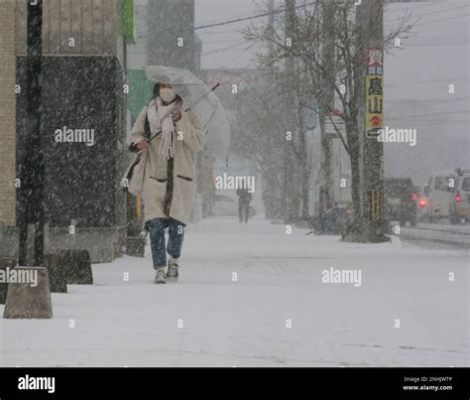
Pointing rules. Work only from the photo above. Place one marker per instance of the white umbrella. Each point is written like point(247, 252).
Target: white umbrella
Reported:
point(202, 101)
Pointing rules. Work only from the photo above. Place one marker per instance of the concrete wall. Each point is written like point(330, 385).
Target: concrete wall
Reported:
point(7, 114)
point(82, 81)
point(137, 51)
point(167, 22)
point(82, 182)
point(92, 24)
point(103, 244)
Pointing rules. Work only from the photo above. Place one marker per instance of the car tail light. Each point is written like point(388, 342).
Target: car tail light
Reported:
point(458, 198)
point(423, 202)
point(414, 197)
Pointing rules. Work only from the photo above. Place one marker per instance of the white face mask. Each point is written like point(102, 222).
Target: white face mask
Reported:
point(167, 94)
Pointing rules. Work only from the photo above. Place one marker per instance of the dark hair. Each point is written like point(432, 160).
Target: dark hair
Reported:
point(156, 90)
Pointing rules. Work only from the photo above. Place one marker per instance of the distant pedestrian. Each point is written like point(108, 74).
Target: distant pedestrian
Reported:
point(244, 199)
point(331, 219)
point(170, 167)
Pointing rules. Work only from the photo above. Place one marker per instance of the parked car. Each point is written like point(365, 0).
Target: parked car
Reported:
point(401, 199)
point(439, 193)
point(422, 204)
point(459, 209)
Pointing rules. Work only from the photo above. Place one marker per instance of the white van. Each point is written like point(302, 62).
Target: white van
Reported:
point(439, 193)
point(460, 203)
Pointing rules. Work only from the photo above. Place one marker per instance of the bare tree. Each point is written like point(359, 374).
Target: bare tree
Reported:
point(309, 38)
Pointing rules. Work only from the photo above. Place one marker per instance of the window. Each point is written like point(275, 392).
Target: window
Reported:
point(466, 185)
point(442, 183)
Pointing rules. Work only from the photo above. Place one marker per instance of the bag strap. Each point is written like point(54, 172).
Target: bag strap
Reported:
point(147, 132)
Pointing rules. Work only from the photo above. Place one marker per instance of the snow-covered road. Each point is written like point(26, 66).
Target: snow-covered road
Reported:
point(407, 310)
point(438, 235)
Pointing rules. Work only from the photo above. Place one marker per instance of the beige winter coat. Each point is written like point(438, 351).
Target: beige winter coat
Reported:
point(157, 182)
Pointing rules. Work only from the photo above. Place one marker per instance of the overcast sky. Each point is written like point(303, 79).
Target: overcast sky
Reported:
point(228, 36)
point(417, 76)
point(438, 48)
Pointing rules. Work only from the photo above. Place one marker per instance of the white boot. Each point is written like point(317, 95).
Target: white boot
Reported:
point(173, 266)
point(160, 275)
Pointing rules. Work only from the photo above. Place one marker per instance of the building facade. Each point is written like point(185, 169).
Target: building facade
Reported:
point(8, 232)
point(170, 29)
point(83, 123)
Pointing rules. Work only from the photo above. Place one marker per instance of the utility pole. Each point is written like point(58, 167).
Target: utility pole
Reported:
point(371, 41)
point(271, 192)
point(32, 163)
point(288, 203)
point(270, 26)
point(327, 101)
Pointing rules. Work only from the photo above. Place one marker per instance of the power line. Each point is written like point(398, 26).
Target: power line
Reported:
point(436, 44)
point(427, 120)
point(448, 80)
point(439, 113)
point(216, 32)
point(432, 12)
point(203, 54)
point(445, 10)
point(443, 101)
point(440, 20)
point(222, 41)
point(233, 21)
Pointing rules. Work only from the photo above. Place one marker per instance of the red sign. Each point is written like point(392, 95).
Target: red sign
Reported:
point(375, 121)
point(375, 58)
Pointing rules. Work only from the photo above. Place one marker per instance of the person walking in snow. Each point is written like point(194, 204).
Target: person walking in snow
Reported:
point(169, 178)
point(244, 199)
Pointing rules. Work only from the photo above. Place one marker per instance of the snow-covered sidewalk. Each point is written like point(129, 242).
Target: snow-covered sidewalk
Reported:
point(252, 295)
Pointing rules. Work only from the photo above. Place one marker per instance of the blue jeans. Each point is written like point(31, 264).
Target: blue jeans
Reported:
point(156, 228)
